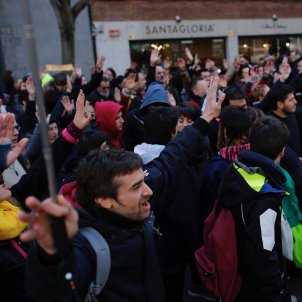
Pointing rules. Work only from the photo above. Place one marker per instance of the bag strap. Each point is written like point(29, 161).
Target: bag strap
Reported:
point(18, 248)
point(242, 216)
point(103, 260)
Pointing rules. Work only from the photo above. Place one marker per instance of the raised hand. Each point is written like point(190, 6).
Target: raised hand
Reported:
point(117, 95)
point(40, 224)
point(213, 107)
point(89, 110)
point(189, 54)
point(31, 89)
point(196, 62)
point(69, 85)
point(81, 120)
point(196, 59)
point(100, 63)
point(171, 99)
point(77, 70)
point(68, 104)
point(154, 57)
point(225, 64)
point(130, 82)
point(254, 71)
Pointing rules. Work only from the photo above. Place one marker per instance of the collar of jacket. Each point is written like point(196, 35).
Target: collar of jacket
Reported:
point(110, 224)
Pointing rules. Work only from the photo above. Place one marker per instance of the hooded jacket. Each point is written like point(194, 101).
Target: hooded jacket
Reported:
point(214, 174)
point(252, 190)
point(134, 131)
point(106, 113)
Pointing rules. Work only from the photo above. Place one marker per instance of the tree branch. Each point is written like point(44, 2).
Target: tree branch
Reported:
point(79, 6)
point(57, 6)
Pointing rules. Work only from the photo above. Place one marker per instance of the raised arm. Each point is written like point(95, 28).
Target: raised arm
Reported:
point(162, 170)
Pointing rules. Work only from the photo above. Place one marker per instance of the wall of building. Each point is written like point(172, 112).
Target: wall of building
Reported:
point(46, 34)
point(118, 22)
point(194, 10)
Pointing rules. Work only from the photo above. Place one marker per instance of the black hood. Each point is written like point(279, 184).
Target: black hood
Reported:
point(235, 189)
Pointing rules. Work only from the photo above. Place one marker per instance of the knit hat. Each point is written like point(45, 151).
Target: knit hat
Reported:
point(155, 94)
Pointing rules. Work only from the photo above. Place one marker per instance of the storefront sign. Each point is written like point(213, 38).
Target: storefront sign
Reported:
point(274, 25)
point(114, 33)
point(179, 29)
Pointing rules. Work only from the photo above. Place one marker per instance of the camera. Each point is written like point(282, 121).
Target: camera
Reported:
point(177, 19)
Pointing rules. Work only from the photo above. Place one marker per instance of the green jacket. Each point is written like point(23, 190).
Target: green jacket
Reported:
point(290, 204)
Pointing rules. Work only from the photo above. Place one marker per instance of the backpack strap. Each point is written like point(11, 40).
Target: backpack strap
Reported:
point(103, 261)
point(18, 248)
point(242, 216)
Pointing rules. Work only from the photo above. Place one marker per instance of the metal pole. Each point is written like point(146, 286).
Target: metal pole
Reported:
point(39, 99)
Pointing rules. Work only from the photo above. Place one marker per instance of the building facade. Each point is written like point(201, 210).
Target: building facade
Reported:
point(126, 31)
point(13, 47)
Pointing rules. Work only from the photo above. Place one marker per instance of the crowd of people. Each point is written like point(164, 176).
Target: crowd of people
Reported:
point(143, 158)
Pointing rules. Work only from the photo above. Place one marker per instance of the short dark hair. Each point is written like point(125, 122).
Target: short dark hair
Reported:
point(54, 121)
point(236, 121)
point(105, 79)
point(234, 92)
point(160, 124)
point(112, 71)
point(60, 79)
point(279, 93)
point(119, 79)
point(254, 114)
point(194, 82)
point(188, 110)
point(96, 172)
point(268, 136)
point(90, 140)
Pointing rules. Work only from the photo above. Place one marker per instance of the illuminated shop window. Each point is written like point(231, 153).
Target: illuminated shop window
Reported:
point(213, 48)
point(256, 48)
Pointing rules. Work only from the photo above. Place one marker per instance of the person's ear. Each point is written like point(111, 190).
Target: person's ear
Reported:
point(281, 154)
point(279, 105)
point(104, 202)
point(279, 157)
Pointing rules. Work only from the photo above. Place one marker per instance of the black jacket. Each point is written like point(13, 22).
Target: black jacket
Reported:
point(12, 273)
point(253, 192)
point(135, 274)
